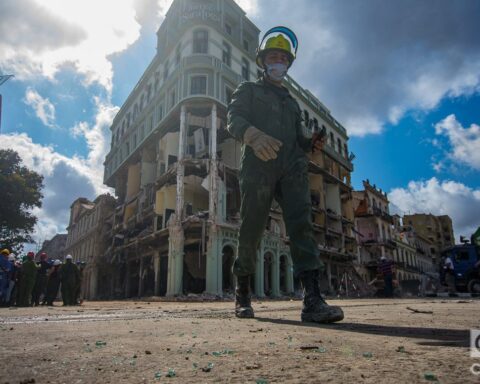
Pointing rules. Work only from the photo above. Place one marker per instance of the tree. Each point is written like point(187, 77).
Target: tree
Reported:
point(20, 191)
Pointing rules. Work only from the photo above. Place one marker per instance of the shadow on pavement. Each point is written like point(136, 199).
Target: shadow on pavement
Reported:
point(429, 336)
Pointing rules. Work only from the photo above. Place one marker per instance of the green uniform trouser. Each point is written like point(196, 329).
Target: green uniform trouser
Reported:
point(258, 187)
point(68, 294)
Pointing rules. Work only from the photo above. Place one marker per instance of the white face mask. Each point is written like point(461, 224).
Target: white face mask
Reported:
point(276, 71)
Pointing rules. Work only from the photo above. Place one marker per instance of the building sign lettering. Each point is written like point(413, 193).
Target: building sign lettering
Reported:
point(200, 11)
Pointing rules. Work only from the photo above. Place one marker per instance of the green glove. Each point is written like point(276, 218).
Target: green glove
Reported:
point(264, 146)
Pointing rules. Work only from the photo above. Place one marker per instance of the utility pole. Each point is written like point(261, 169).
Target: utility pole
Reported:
point(3, 79)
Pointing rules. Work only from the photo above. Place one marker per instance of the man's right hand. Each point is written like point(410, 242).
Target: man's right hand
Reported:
point(264, 146)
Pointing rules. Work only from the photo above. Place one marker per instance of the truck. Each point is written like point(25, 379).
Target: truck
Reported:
point(466, 265)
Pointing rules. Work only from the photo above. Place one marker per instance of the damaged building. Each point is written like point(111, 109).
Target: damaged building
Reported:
point(174, 168)
point(89, 239)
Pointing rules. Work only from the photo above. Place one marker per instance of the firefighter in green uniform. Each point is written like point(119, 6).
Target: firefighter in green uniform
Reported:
point(267, 120)
point(69, 278)
point(28, 273)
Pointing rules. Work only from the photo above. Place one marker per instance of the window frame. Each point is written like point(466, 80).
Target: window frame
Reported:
point(196, 77)
point(203, 43)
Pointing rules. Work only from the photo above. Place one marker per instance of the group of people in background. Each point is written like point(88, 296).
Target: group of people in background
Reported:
point(25, 282)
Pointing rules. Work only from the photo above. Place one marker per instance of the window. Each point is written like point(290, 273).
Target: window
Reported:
point(134, 141)
point(345, 148)
point(135, 112)
point(245, 69)
point(315, 125)
point(200, 41)
point(149, 92)
point(157, 81)
point(178, 54)
point(142, 102)
point(306, 117)
point(332, 140)
point(339, 145)
point(165, 70)
point(228, 95)
point(159, 113)
point(172, 98)
point(152, 124)
point(245, 44)
point(228, 28)
point(227, 54)
point(198, 85)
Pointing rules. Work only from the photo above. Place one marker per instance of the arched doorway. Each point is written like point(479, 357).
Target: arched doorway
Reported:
point(268, 273)
point(228, 256)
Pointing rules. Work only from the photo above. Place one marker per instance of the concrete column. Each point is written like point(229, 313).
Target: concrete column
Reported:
point(329, 274)
point(259, 284)
point(156, 269)
point(127, 279)
point(214, 261)
point(140, 277)
point(289, 275)
point(92, 292)
point(275, 275)
point(176, 237)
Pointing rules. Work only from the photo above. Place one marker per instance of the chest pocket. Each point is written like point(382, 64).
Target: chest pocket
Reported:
point(262, 107)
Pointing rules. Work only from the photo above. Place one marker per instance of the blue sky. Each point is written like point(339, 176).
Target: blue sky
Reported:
point(403, 78)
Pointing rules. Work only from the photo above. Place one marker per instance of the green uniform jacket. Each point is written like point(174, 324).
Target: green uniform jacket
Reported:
point(258, 104)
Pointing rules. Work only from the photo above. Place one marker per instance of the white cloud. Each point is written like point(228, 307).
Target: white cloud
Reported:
point(44, 109)
point(465, 142)
point(57, 32)
point(457, 200)
point(369, 61)
point(66, 178)
point(249, 6)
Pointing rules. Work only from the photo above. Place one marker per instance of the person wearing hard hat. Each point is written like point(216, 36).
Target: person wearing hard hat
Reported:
point(267, 120)
point(11, 280)
point(53, 283)
point(5, 271)
point(69, 278)
point(41, 281)
point(28, 274)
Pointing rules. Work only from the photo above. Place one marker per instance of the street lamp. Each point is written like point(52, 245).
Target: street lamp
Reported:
point(3, 79)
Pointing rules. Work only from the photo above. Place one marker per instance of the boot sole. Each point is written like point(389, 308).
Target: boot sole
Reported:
point(245, 313)
point(320, 318)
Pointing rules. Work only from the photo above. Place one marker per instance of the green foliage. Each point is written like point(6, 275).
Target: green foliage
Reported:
point(20, 192)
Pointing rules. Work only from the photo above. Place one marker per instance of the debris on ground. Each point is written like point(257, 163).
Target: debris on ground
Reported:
point(208, 368)
point(100, 344)
point(419, 311)
point(368, 355)
point(430, 376)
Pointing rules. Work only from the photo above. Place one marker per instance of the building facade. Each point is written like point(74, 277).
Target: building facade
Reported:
point(174, 167)
point(89, 237)
point(374, 226)
point(437, 229)
point(55, 247)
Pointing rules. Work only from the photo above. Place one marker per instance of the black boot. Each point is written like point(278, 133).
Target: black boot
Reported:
point(243, 305)
point(315, 309)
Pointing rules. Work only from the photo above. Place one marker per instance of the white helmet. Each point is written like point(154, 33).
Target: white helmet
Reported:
point(57, 262)
point(68, 257)
point(11, 257)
